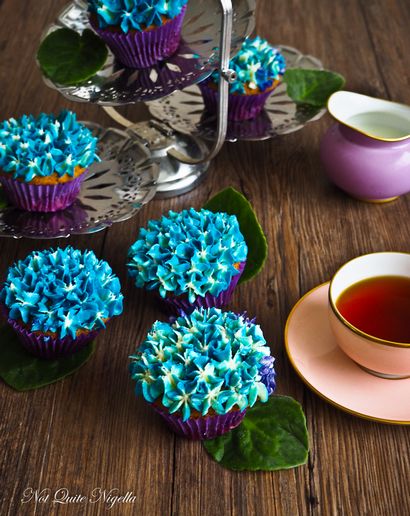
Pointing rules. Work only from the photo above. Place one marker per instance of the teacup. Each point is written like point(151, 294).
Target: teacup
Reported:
point(384, 358)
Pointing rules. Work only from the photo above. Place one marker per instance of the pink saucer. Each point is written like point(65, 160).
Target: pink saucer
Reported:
point(332, 375)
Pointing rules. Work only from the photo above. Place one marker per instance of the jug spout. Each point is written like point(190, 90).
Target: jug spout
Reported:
point(376, 118)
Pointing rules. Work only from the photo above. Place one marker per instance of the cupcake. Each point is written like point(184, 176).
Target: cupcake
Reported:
point(190, 259)
point(43, 160)
point(203, 371)
point(140, 33)
point(57, 301)
point(259, 68)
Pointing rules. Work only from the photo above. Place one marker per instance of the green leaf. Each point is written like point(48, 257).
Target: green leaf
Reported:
point(312, 87)
point(272, 436)
point(70, 58)
point(234, 203)
point(3, 201)
point(25, 372)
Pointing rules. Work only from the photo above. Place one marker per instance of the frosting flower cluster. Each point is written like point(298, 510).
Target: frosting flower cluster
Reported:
point(191, 252)
point(257, 66)
point(134, 14)
point(61, 291)
point(40, 146)
point(209, 361)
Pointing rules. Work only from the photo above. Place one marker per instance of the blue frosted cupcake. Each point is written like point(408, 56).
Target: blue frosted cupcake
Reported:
point(191, 259)
point(43, 160)
point(203, 371)
point(57, 301)
point(259, 68)
point(140, 33)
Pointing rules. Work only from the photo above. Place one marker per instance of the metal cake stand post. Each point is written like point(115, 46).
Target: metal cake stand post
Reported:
point(184, 159)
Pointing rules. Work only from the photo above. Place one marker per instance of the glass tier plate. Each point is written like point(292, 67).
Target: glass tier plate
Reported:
point(113, 191)
point(184, 110)
point(195, 59)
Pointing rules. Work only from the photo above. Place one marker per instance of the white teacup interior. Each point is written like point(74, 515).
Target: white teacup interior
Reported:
point(368, 266)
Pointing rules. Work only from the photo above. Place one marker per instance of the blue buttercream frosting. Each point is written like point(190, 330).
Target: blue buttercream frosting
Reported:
point(62, 291)
point(39, 146)
point(208, 361)
point(134, 14)
point(257, 66)
point(191, 252)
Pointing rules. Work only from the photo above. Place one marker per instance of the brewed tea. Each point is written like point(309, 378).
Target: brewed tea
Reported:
point(379, 306)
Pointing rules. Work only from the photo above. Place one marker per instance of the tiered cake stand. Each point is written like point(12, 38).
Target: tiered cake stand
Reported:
point(212, 32)
point(169, 154)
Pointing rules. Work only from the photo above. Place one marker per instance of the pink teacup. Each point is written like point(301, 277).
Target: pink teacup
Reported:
point(380, 357)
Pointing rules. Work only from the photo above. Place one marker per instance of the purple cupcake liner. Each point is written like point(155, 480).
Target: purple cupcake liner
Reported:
point(202, 428)
point(41, 198)
point(141, 49)
point(241, 107)
point(174, 305)
point(44, 346)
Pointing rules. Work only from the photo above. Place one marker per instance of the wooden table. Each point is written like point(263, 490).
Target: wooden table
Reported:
point(89, 431)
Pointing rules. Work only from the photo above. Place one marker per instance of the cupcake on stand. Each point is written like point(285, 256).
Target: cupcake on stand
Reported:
point(259, 69)
point(44, 159)
point(140, 33)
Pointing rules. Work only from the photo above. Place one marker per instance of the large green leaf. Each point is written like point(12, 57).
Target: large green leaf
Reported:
point(232, 202)
point(272, 436)
point(312, 87)
point(68, 58)
point(25, 372)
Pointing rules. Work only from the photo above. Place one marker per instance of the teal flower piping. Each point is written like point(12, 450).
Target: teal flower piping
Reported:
point(210, 360)
point(257, 66)
point(39, 146)
point(134, 14)
point(61, 291)
point(192, 252)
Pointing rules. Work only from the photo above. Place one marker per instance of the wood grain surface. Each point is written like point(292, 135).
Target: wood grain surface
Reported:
point(90, 431)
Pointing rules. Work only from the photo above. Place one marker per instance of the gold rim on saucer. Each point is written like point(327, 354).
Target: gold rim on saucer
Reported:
point(318, 393)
